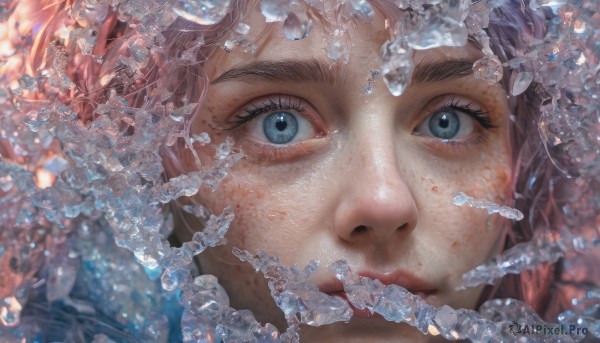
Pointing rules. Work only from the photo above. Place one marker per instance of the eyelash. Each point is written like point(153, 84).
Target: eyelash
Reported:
point(268, 105)
point(481, 116)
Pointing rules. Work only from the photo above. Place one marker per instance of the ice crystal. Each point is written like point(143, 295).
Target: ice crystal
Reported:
point(461, 199)
point(82, 186)
point(299, 299)
point(337, 50)
point(526, 256)
point(488, 69)
point(297, 26)
point(204, 12)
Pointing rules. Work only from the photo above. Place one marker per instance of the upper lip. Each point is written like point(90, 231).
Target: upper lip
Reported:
point(399, 277)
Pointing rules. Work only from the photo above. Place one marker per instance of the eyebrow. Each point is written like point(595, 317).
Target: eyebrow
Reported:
point(316, 71)
point(311, 70)
point(444, 70)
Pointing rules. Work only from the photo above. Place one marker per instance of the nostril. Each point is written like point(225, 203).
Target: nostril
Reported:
point(360, 229)
point(402, 227)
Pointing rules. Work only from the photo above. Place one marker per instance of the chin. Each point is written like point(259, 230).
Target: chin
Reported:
point(372, 330)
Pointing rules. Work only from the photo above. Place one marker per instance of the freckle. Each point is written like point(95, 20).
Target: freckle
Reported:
point(455, 245)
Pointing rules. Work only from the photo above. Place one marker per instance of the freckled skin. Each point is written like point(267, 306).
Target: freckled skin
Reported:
point(369, 169)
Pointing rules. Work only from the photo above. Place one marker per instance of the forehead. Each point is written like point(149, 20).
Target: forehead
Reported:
point(363, 41)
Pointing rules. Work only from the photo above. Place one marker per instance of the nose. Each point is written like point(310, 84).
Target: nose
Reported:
point(376, 205)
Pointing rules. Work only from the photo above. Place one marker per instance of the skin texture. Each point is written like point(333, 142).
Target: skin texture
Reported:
point(363, 183)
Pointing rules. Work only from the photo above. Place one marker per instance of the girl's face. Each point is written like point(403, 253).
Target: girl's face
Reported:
point(333, 173)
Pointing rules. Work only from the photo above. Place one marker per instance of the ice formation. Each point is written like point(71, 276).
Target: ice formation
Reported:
point(461, 199)
point(300, 300)
point(82, 188)
point(395, 303)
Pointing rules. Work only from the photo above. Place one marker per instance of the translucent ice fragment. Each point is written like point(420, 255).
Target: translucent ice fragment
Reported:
point(205, 297)
point(102, 338)
point(523, 256)
point(62, 273)
point(275, 10)
point(298, 298)
point(10, 311)
point(461, 199)
point(520, 82)
point(584, 314)
point(182, 112)
point(242, 28)
point(203, 138)
point(397, 304)
point(297, 26)
point(196, 329)
point(56, 165)
point(397, 65)
point(362, 9)
point(183, 185)
point(27, 82)
point(215, 229)
point(337, 50)
point(435, 31)
point(172, 280)
point(6, 183)
point(224, 149)
point(197, 210)
point(478, 17)
point(489, 69)
point(203, 12)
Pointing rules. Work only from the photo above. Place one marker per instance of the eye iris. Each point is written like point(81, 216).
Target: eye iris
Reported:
point(444, 125)
point(280, 127)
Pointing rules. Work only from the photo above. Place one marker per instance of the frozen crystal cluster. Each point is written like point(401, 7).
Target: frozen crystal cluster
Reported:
point(84, 224)
point(395, 303)
point(299, 299)
point(526, 256)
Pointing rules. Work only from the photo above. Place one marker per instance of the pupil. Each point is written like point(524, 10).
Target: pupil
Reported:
point(444, 122)
point(444, 125)
point(281, 124)
point(280, 127)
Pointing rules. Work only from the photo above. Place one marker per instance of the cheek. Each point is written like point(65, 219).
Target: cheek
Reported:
point(468, 235)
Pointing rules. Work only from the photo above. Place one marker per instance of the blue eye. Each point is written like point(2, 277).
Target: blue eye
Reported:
point(280, 127)
point(444, 124)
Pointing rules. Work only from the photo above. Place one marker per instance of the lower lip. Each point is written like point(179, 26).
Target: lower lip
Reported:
point(365, 313)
